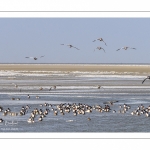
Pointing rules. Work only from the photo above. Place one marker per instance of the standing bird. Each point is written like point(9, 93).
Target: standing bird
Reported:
point(148, 77)
point(70, 46)
point(100, 39)
point(125, 48)
point(99, 48)
point(35, 58)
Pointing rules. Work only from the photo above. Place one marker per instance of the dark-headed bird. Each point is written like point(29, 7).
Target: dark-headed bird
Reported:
point(125, 48)
point(35, 58)
point(71, 46)
point(148, 77)
point(100, 39)
point(99, 87)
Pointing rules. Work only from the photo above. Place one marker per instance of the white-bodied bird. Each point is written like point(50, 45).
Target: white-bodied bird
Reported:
point(35, 58)
point(125, 48)
point(100, 48)
point(100, 39)
point(71, 46)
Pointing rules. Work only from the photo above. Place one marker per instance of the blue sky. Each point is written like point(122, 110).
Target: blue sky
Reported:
point(22, 37)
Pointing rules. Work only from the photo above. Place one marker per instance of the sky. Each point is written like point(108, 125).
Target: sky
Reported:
point(35, 37)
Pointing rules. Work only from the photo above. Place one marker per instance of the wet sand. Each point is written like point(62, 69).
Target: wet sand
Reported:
point(131, 69)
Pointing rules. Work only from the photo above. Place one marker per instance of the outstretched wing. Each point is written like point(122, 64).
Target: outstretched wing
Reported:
point(103, 50)
point(132, 48)
point(94, 40)
point(76, 48)
point(41, 56)
point(29, 57)
point(105, 43)
point(144, 80)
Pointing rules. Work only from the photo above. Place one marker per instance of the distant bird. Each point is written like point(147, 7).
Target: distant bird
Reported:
point(37, 97)
point(15, 85)
point(110, 102)
point(70, 46)
point(28, 96)
point(40, 88)
point(99, 87)
point(100, 39)
point(35, 58)
point(125, 48)
point(1, 120)
point(148, 77)
point(54, 87)
point(89, 119)
point(99, 48)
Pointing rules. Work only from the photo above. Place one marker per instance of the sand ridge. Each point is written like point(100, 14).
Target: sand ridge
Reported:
point(141, 69)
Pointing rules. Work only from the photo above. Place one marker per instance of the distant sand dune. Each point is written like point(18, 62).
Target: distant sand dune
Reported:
point(141, 69)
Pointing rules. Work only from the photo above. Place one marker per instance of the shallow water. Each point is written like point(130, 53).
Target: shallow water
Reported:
point(75, 87)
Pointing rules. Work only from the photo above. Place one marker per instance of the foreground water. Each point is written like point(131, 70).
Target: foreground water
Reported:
point(74, 88)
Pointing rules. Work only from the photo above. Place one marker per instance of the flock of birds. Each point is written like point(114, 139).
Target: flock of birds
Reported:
point(99, 48)
point(43, 110)
point(38, 114)
point(75, 109)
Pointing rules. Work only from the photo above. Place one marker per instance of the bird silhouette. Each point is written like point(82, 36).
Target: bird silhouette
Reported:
point(148, 77)
point(100, 39)
point(35, 58)
point(125, 48)
point(71, 46)
point(99, 48)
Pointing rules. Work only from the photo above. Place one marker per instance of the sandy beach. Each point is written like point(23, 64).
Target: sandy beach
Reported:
point(131, 69)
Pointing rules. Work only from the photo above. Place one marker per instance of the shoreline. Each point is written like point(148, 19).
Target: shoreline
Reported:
point(140, 69)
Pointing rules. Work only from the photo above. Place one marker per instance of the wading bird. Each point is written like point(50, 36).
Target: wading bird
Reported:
point(99, 48)
point(71, 46)
point(100, 39)
point(125, 48)
point(35, 58)
point(148, 77)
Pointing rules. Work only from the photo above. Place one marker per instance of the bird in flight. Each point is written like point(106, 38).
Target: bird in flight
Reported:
point(99, 48)
point(35, 58)
point(71, 46)
point(148, 77)
point(125, 48)
point(100, 39)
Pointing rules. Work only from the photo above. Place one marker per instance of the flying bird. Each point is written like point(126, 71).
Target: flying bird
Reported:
point(70, 46)
point(100, 39)
point(99, 48)
point(125, 48)
point(148, 77)
point(35, 58)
